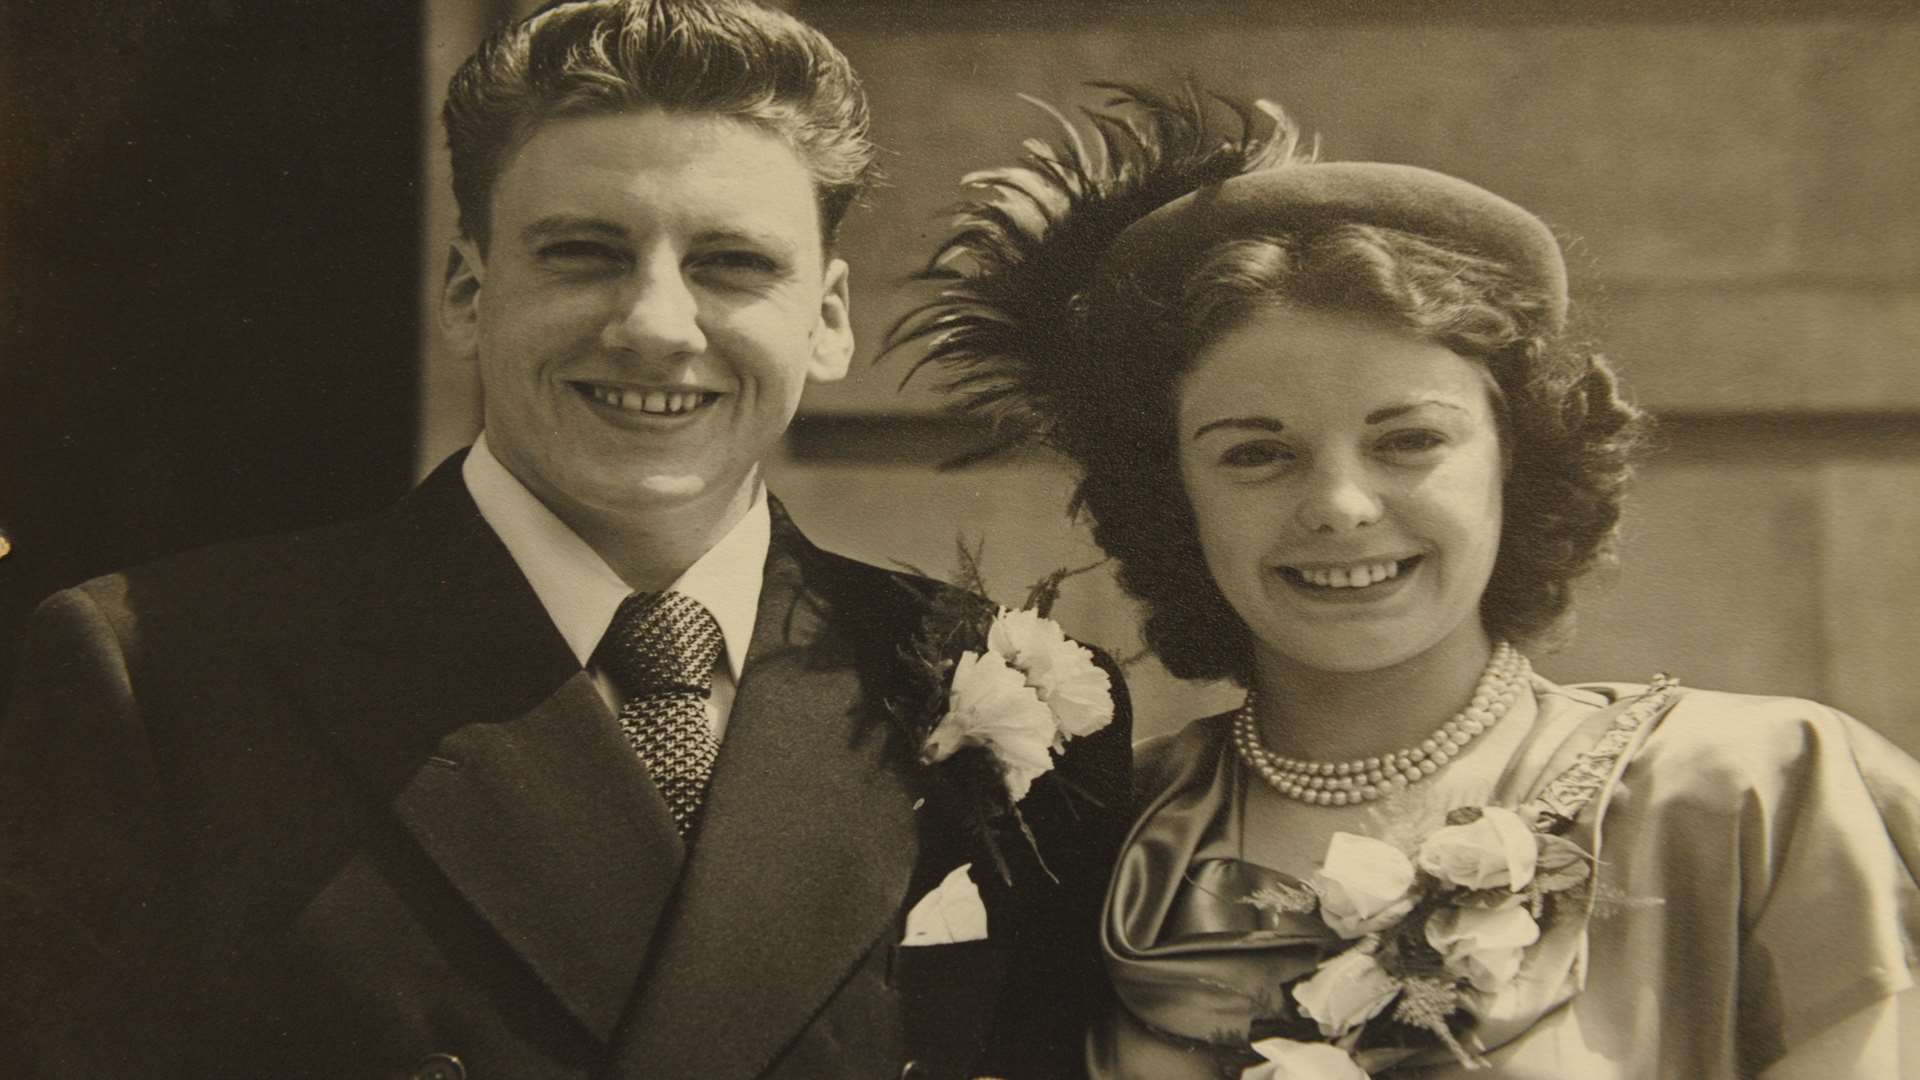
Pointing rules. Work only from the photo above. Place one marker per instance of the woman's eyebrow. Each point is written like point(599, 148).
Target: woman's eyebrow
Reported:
point(1392, 412)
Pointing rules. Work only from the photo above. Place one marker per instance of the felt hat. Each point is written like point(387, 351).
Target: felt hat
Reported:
point(1066, 257)
point(1159, 248)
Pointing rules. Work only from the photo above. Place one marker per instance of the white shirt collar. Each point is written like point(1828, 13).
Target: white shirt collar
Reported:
point(580, 591)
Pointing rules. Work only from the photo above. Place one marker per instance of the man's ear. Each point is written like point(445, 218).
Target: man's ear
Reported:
point(460, 297)
point(833, 334)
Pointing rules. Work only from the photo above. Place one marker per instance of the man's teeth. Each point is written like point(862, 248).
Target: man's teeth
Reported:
point(658, 402)
point(1350, 577)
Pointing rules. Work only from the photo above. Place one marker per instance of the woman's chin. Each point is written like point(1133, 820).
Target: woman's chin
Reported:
point(1355, 650)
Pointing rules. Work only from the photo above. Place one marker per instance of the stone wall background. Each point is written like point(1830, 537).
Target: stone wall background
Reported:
point(1736, 186)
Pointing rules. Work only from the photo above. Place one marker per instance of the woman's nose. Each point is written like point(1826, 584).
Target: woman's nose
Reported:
point(1340, 497)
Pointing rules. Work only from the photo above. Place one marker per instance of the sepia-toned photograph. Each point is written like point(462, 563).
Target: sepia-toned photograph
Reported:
point(994, 540)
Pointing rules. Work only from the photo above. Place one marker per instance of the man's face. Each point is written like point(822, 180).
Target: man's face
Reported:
point(654, 297)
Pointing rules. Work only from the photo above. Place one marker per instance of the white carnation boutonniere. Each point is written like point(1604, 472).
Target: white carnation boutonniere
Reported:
point(1021, 698)
point(1060, 672)
point(1000, 693)
point(990, 705)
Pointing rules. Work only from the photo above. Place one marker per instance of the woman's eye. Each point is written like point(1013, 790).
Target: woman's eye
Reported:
point(1255, 454)
point(1412, 442)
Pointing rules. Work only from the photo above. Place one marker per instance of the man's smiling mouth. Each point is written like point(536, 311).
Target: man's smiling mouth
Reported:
point(657, 402)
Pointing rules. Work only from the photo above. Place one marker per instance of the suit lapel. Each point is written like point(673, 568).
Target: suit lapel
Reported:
point(806, 843)
point(454, 697)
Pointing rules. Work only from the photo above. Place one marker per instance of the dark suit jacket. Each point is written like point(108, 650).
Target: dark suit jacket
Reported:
point(333, 803)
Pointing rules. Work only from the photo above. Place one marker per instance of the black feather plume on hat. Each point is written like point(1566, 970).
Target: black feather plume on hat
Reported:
point(1006, 322)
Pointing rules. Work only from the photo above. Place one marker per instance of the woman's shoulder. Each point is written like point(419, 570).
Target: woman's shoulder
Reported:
point(1157, 760)
point(1776, 837)
point(1757, 727)
point(1724, 747)
point(1757, 730)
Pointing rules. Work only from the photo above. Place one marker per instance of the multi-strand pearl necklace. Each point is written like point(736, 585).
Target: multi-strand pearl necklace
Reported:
point(1340, 783)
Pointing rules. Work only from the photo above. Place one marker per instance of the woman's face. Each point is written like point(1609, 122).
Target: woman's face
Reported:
point(1345, 476)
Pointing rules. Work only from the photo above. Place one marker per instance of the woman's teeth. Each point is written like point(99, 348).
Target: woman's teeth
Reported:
point(657, 402)
point(1357, 576)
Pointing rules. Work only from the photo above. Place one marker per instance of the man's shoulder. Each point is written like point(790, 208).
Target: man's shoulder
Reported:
point(853, 587)
point(894, 586)
point(232, 571)
point(292, 584)
point(201, 614)
point(317, 566)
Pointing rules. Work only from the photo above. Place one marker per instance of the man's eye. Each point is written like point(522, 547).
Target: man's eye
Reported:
point(579, 252)
point(746, 262)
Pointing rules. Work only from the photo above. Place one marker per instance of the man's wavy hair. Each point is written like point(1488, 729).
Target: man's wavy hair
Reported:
point(1100, 386)
point(727, 57)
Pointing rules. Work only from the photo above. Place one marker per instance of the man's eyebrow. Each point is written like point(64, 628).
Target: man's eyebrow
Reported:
point(1392, 412)
point(779, 245)
point(558, 224)
point(1241, 423)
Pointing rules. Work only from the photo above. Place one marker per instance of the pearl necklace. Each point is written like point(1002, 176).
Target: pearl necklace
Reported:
point(1340, 783)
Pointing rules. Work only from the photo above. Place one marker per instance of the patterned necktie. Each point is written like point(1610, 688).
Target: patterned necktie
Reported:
point(660, 651)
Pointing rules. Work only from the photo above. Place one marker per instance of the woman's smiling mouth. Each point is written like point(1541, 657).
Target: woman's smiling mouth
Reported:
point(1354, 577)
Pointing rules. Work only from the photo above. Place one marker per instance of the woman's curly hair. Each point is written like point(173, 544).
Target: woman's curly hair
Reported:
point(1099, 383)
point(1567, 435)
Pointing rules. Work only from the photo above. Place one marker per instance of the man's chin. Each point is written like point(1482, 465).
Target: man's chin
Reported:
point(680, 492)
point(631, 493)
point(670, 488)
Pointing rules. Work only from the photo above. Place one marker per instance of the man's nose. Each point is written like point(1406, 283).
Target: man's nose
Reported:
point(658, 314)
point(1340, 496)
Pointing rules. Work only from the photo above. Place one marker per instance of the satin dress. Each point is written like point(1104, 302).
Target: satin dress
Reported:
point(1756, 883)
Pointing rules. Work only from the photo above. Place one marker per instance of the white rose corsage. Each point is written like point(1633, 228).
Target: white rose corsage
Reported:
point(1420, 933)
point(1427, 933)
point(1000, 692)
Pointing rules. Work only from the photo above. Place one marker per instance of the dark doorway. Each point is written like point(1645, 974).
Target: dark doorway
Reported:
point(209, 231)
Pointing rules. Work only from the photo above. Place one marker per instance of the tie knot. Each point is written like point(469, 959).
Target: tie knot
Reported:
point(660, 642)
